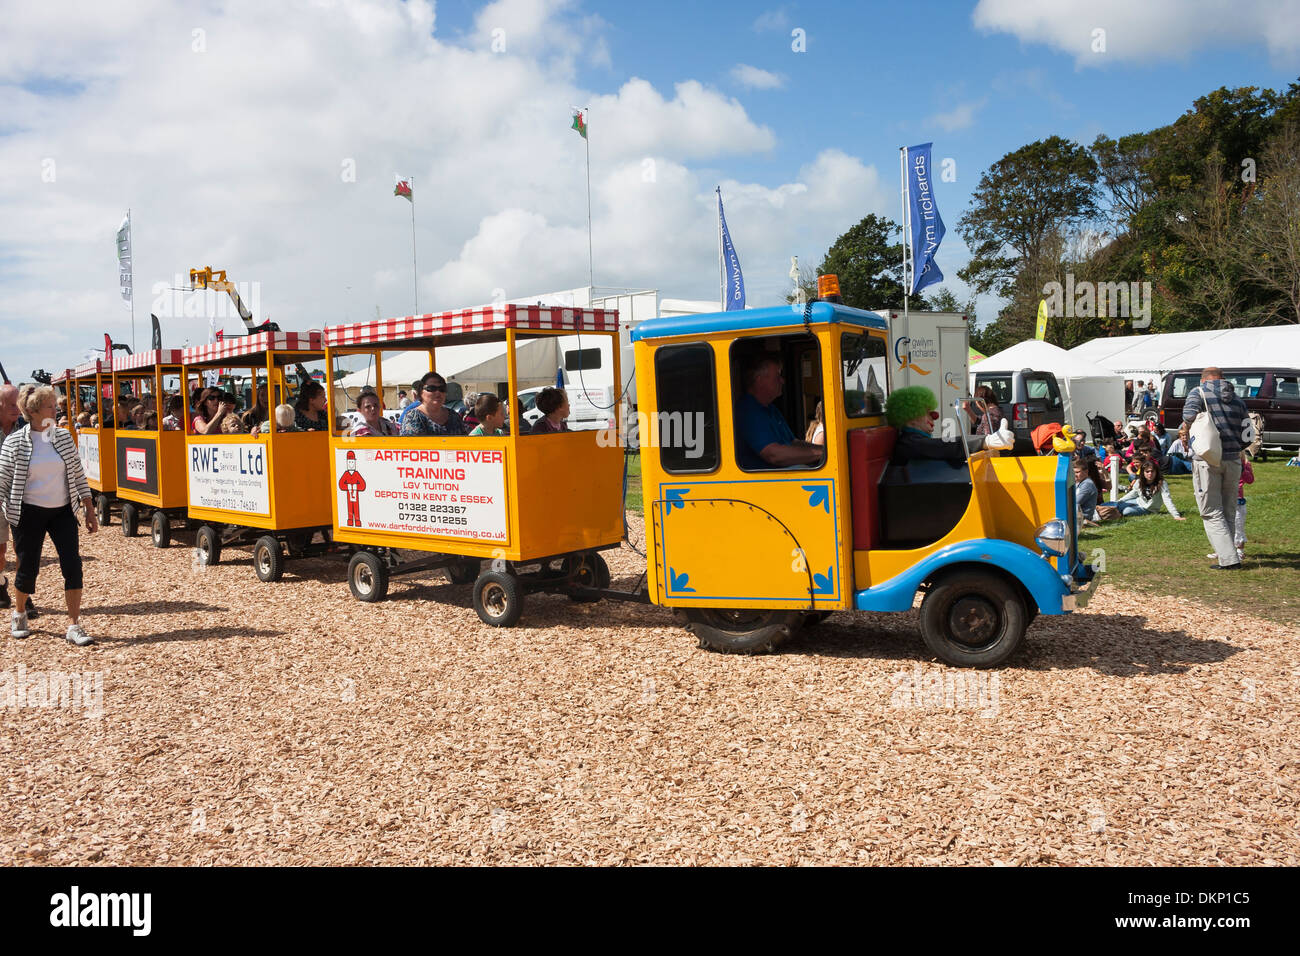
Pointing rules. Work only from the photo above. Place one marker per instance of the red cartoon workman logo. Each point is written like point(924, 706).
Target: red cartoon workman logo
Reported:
point(352, 483)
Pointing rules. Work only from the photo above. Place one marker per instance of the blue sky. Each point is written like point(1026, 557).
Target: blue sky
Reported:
point(225, 128)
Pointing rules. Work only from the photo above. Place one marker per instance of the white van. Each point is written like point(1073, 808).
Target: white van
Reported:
point(589, 409)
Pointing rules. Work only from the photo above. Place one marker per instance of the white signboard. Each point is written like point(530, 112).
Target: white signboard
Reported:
point(448, 492)
point(229, 477)
point(137, 468)
point(88, 452)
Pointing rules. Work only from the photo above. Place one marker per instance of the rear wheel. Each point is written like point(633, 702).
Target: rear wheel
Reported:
point(367, 577)
point(160, 529)
point(587, 570)
point(103, 510)
point(742, 630)
point(130, 520)
point(973, 619)
point(498, 599)
point(268, 559)
point(208, 545)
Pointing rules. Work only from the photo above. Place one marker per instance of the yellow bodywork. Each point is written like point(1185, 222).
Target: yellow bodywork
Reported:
point(784, 538)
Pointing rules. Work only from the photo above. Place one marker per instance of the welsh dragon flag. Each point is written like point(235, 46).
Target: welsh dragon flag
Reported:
point(403, 188)
point(579, 123)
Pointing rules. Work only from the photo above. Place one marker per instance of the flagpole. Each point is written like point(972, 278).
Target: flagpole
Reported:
point(722, 274)
point(129, 231)
point(415, 269)
point(907, 240)
point(591, 271)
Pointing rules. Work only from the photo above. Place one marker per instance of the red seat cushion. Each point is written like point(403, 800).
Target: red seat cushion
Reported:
point(869, 453)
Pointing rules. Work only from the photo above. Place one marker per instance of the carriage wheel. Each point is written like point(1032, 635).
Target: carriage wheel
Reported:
point(268, 559)
point(367, 577)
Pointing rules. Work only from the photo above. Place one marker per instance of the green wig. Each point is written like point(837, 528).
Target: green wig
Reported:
point(909, 404)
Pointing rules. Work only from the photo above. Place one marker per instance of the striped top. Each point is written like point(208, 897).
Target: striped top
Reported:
point(16, 456)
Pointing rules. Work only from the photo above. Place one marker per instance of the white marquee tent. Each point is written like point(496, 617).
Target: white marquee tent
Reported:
point(1150, 356)
point(1086, 388)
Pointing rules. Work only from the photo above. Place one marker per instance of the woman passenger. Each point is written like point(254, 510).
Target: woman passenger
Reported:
point(986, 420)
point(816, 434)
point(175, 409)
point(373, 423)
point(553, 403)
point(309, 409)
point(432, 416)
point(210, 411)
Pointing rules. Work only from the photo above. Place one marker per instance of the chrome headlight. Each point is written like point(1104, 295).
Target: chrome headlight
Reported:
point(1054, 538)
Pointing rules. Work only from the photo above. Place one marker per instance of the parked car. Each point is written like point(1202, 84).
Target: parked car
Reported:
point(1273, 393)
point(1027, 399)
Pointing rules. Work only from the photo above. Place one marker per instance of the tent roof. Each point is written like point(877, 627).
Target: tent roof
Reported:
point(1166, 351)
point(1042, 357)
point(534, 358)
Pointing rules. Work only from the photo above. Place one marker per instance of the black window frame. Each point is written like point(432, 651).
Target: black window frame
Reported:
point(704, 467)
point(884, 353)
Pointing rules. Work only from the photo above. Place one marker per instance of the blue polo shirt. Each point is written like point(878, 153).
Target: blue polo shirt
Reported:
point(759, 426)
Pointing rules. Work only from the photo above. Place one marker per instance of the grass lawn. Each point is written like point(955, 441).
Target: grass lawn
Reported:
point(1162, 556)
point(1159, 555)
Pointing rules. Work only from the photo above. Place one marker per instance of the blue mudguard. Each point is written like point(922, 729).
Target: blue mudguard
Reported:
point(1038, 576)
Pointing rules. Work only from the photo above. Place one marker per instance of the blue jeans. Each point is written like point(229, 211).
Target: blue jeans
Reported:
point(1179, 466)
point(1127, 508)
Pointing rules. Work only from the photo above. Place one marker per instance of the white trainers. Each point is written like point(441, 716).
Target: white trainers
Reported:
point(76, 635)
point(18, 628)
point(1211, 555)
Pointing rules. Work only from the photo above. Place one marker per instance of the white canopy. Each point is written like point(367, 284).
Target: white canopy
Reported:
point(483, 363)
point(1086, 387)
point(1147, 356)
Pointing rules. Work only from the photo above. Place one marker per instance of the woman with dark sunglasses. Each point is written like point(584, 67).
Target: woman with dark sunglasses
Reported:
point(432, 416)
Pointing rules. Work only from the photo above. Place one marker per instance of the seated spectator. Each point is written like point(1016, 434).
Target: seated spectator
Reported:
point(491, 415)
point(1162, 438)
point(309, 408)
point(284, 419)
point(233, 425)
point(175, 413)
point(140, 418)
point(766, 440)
point(83, 420)
point(1179, 459)
point(373, 424)
point(553, 403)
point(1145, 496)
point(468, 416)
point(1087, 490)
point(211, 410)
point(985, 420)
point(431, 416)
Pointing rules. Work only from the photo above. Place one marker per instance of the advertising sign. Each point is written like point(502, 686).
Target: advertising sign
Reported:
point(229, 477)
point(447, 492)
point(137, 463)
point(88, 452)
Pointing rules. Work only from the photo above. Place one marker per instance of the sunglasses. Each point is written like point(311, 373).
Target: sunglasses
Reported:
point(435, 388)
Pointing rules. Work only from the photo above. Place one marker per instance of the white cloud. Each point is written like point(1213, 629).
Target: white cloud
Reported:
point(772, 20)
point(1165, 29)
point(961, 116)
point(238, 157)
point(752, 78)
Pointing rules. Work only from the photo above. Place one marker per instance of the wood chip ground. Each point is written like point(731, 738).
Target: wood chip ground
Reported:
point(248, 723)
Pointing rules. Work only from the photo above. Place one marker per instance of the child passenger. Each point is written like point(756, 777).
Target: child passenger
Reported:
point(284, 418)
point(553, 403)
point(491, 415)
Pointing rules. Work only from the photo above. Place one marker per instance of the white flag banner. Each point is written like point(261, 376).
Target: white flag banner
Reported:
point(124, 276)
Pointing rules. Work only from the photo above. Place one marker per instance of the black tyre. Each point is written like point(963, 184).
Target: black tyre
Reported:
point(742, 630)
point(103, 510)
point(160, 529)
point(207, 546)
point(130, 520)
point(813, 618)
point(268, 559)
point(463, 572)
point(587, 570)
point(498, 599)
point(973, 619)
point(367, 577)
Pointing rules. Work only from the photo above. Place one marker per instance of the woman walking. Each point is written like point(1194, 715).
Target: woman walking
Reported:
point(40, 480)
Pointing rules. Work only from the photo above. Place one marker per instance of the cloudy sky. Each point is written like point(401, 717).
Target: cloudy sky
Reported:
point(263, 138)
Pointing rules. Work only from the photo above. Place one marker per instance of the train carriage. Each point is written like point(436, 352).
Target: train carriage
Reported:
point(149, 459)
point(266, 488)
point(550, 501)
point(89, 388)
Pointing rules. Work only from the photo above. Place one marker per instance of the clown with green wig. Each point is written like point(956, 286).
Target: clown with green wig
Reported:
point(913, 411)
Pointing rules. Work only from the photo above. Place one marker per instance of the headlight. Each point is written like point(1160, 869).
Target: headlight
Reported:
point(1054, 538)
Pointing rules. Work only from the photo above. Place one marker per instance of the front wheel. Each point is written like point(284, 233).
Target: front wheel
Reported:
point(498, 599)
point(742, 630)
point(367, 577)
point(973, 619)
point(160, 529)
point(587, 570)
point(268, 559)
point(208, 546)
point(103, 510)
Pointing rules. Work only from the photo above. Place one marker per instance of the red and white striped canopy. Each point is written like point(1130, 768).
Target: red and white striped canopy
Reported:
point(61, 377)
point(148, 359)
point(486, 318)
point(90, 368)
point(244, 345)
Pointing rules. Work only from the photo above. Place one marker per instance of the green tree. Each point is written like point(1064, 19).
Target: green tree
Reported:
point(1020, 201)
point(869, 265)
